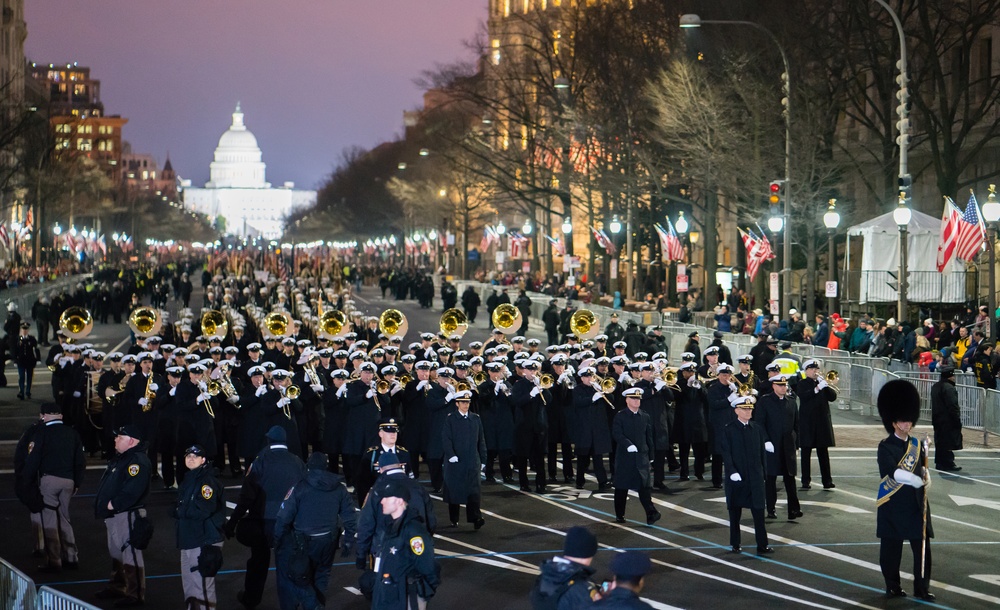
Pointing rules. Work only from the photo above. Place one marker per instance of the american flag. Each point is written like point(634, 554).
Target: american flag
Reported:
point(4, 236)
point(557, 245)
point(604, 241)
point(950, 219)
point(971, 232)
point(758, 251)
point(676, 248)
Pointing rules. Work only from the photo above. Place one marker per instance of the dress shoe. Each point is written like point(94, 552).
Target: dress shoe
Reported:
point(491, 479)
point(829, 486)
point(736, 549)
point(579, 485)
point(683, 479)
point(453, 524)
point(895, 592)
point(619, 519)
point(765, 551)
point(567, 479)
point(662, 486)
point(806, 486)
point(20, 396)
point(653, 518)
point(508, 479)
point(242, 598)
point(603, 488)
point(110, 593)
point(540, 490)
point(716, 485)
point(129, 602)
point(927, 596)
point(700, 477)
point(771, 515)
point(795, 515)
point(951, 469)
point(479, 523)
point(526, 488)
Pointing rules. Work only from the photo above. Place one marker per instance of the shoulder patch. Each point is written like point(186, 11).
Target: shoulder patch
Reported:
point(417, 545)
point(289, 494)
point(133, 469)
point(206, 492)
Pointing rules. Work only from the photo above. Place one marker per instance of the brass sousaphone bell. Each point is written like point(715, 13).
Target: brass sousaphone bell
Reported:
point(76, 322)
point(507, 318)
point(277, 323)
point(454, 322)
point(331, 323)
point(145, 321)
point(214, 323)
point(584, 324)
point(392, 323)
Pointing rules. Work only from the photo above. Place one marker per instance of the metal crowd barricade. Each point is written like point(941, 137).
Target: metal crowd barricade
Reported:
point(862, 382)
point(991, 415)
point(50, 599)
point(17, 591)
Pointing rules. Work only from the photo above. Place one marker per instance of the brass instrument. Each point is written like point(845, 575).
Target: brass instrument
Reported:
point(546, 381)
point(145, 321)
point(310, 370)
point(405, 379)
point(479, 377)
point(212, 388)
point(607, 384)
point(507, 318)
point(832, 377)
point(277, 323)
point(150, 395)
point(382, 386)
point(392, 323)
point(95, 405)
point(214, 323)
point(584, 324)
point(76, 322)
point(112, 394)
point(226, 381)
point(293, 391)
point(669, 377)
point(355, 375)
point(454, 322)
point(331, 323)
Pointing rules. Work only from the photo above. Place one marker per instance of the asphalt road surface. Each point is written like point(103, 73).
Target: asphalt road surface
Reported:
point(827, 559)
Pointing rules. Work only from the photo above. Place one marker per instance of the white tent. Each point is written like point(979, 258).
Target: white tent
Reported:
point(880, 261)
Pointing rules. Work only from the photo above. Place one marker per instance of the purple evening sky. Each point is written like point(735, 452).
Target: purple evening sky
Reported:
point(313, 76)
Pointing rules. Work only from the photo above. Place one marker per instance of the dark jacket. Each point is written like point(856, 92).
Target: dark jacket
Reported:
point(815, 423)
point(550, 317)
point(589, 421)
point(267, 482)
point(621, 598)
point(200, 509)
point(373, 525)
point(125, 483)
point(530, 420)
point(58, 451)
point(743, 453)
point(632, 469)
point(407, 568)
point(780, 420)
point(946, 415)
point(901, 517)
point(361, 425)
point(497, 416)
point(567, 580)
point(656, 403)
point(318, 504)
point(689, 423)
point(463, 438)
point(720, 413)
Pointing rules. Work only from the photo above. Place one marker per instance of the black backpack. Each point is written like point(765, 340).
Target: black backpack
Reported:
point(545, 596)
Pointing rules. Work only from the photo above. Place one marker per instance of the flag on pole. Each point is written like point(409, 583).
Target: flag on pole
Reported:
point(29, 221)
point(950, 219)
point(4, 236)
point(604, 241)
point(971, 235)
point(557, 245)
point(758, 251)
point(670, 243)
point(664, 242)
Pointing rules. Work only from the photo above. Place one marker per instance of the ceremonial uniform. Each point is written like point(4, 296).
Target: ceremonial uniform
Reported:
point(530, 429)
point(559, 431)
point(464, 455)
point(591, 434)
point(497, 417)
point(656, 400)
point(438, 407)
point(634, 434)
point(416, 422)
point(815, 428)
point(743, 453)
point(720, 414)
point(691, 431)
point(368, 470)
point(779, 417)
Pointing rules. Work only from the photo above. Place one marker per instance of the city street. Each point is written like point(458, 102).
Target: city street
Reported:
point(827, 559)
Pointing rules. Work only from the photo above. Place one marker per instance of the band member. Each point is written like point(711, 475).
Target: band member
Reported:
point(656, 397)
point(280, 408)
point(558, 416)
point(440, 402)
point(464, 454)
point(362, 417)
point(690, 427)
point(903, 511)
point(720, 414)
point(416, 415)
point(743, 452)
point(815, 423)
point(529, 402)
point(591, 434)
point(778, 414)
point(633, 431)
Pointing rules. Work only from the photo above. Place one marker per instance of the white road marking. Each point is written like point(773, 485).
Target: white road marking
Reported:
point(353, 590)
point(847, 508)
point(482, 550)
point(486, 561)
point(937, 517)
point(963, 501)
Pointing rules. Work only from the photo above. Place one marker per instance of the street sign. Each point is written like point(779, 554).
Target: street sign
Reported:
point(501, 257)
point(682, 283)
point(526, 266)
point(831, 290)
point(775, 291)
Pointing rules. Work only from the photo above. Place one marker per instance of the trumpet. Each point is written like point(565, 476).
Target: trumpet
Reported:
point(832, 377)
point(405, 379)
point(291, 393)
point(211, 388)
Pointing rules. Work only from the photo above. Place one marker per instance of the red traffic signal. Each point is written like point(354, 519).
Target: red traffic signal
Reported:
point(775, 188)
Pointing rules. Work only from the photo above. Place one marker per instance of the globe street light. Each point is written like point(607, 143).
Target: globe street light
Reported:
point(832, 220)
point(682, 224)
point(775, 223)
point(991, 214)
point(567, 226)
point(694, 21)
point(501, 229)
point(526, 228)
point(615, 225)
point(902, 216)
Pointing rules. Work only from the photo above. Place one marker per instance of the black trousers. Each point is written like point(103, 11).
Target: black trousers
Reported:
point(472, 509)
point(414, 463)
point(760, 533)
point(167, 451)
point(567, 460)
point(717, 469)
point(537, 464)
point(823, 456)
point(504, 456)
point(257, 566)
point(700, 451)
point(944, 458)
point(583, 461)
point(659, 461)
point(771, 490)
point(621, 500)
point(890, 555)
point(436, 466)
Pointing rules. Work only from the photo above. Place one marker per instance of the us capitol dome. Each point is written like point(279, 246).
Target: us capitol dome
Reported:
point(237, 194)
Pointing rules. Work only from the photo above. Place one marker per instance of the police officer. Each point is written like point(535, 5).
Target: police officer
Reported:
point(564, 579)
point(317, 509)
point(630, 569)
point(633, 431)
point(120, 498)
point(200, 512)
point(464, 457)
point(368, 469)
point(270, 476)
point(405, 571)
point(57, 462)
point(26, 488)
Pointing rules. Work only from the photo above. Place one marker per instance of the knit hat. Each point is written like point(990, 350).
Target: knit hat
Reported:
point(580, 542)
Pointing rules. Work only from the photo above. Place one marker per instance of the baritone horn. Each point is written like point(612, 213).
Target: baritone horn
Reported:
point(584, 324)
point(76, 322)
point(507, 318)
point(145, 321)
point(832, 378)
point(454, 322)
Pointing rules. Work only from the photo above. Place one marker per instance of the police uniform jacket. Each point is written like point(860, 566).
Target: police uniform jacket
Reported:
point(632, 469)
point(946, 416)
point(589, 421)
point(780, 419)
point(621, 598)
point(57, 451)
point(124, 484)
point(463, 438)
point(416, 418)
point(530, 421)
point(815, 423)
point(406, 565)
point(720, 413)
point(497, 416)
point(200, 509)
point(438, 408)
point(373, 525)
point(655, 403)
point(690, 426)
point(267, 482)
point(25, 487)
point(901, 517)
point(743, 453)
point(562, 573)
point(318, 504)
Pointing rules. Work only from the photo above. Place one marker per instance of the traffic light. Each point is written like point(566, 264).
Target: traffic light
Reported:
point(775, 192)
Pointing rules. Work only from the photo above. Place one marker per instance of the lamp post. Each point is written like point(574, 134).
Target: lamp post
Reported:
point(616, 227)
point(694, 21)
point(832, 220)
point(567, 231)
point(902, 216)
point(991, 214)
point(501, 231)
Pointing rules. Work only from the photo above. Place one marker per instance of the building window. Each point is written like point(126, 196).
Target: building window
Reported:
point(506, 8)
point(84, 144)
point(64, 128)
point(85, 129)
point(145, 175)
point(495, 45)
point(62, 143)
point(105, 145)
point(556, 35)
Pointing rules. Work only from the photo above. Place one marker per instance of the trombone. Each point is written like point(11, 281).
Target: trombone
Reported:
point(607, 386)
point(832, 378)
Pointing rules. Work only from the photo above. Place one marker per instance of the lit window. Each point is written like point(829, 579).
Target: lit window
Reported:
point(506, 8)
point(556, 35)
point(524, 7)
point(105, 145)
point(145, 175)
point(64, 128)
point(524, 137)
point(84, 144)
point(62, 142)
point(495, 45)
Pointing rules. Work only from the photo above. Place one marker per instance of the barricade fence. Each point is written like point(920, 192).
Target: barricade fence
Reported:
point(17, 591)
point(25, 296)
point(861, 376)
point(50, 599)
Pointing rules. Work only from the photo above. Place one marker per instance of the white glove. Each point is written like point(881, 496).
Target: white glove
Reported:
point(500, 387)
point(597, 396)
point(632, 449)
point(233, 400)
point(370, 394)
point(342, 391)
point(423, 384)
point(64, 361)
point(449, 397)
point(735, 477)
point(769, 447)
point(659, 384)
point(624, 377)
point(203, 385)
point(907, 478)
point(822, 385)
point(76, 394)
point(563, 378)
point(142, 401)
point(173, 391)
point(453, 459)
point(396, 387)
point(261, 391)
point(535, 391)
point(732, 386)
point(153, 387)
point(317, 387)
point(284, 401)
point(694, 383)
point(203, 396)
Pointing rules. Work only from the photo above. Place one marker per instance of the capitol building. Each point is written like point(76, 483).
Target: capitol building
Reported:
point(237, 192)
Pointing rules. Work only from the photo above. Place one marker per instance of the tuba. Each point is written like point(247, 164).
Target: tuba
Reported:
point(277, 323)
point(145, 321)
point(507, 318)
point(454, 322)
point(214, 324)
point(331, 323)
point(583, 323)
point(392, 323)
point(76, 322)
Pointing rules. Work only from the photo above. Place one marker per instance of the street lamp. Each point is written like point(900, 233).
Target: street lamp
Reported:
point(991, 214)
point(694, 21)
point(682, 224)
point(902, 216)
point(57, 230)
point(526, 228)
point(832, 220)
point(501, 229)
point(567, 226)
point(775, 223)
point(615, 225)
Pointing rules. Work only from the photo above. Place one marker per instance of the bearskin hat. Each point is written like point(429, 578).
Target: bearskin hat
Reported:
point(898, 401)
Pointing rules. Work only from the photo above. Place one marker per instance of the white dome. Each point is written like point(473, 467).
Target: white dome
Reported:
point(238, 159)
